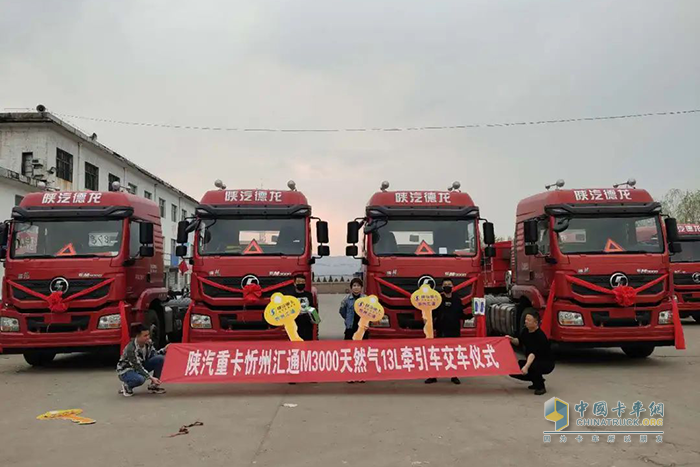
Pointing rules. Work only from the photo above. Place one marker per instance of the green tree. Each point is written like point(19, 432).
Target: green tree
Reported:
point(683, 205)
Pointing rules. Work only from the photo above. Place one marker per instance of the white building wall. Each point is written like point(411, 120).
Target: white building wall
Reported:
point(42, 139)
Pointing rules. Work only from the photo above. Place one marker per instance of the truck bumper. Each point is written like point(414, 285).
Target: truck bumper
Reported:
point(630, 327)
point(688, 303)
point(64, 333)
point(236, 326)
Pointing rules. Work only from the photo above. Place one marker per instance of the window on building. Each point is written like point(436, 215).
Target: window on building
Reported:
point(18, 199)
point(92, 177)
point(112, 178)
point(161, 204)
point(64, 165)
point(132, 188)
point(147, 194)
point(184, 215)
point(173, 212)
point(27, 165)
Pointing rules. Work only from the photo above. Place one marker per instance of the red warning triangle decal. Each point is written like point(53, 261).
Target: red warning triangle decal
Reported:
point(67, 250)
point(424, 249)
point(253, 248)
point(612, 247)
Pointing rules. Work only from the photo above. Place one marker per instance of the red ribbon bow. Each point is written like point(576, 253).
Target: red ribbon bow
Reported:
point(625, 295)
point(252, 293)
point(56, 304)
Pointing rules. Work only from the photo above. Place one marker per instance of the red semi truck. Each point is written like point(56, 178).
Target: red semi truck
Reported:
point(243, 239)
point(686, 271)
point(417, 237)
point(595, 264)
point(71, 259)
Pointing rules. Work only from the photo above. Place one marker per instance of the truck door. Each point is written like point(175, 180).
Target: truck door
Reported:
point(137, 273)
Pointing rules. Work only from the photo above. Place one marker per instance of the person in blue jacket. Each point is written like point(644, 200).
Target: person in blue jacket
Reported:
point(347, 308)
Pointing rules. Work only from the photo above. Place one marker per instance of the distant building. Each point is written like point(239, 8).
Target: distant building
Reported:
point(38, 148)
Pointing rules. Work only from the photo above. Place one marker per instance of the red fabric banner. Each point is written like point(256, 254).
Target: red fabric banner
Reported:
point(329, 361)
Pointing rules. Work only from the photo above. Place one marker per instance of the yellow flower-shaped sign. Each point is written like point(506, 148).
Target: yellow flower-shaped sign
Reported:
point(369, 310)
point(70, 414)
point(426, 299)
point(282, 311)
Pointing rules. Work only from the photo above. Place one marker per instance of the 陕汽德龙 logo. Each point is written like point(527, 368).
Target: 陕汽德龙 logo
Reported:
point(557, 411)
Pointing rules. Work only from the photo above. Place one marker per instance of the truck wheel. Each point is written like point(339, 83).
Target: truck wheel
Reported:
point(156, 328)
point(638, 351)
point(39, 357)
point(696, 317)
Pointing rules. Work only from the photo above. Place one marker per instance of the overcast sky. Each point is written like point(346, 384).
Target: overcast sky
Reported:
point(371, 63)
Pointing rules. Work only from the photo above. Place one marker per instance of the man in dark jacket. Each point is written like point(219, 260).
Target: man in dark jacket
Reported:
point(447, 318)
point(137, 361)
point(539, 360)
point(304, 324)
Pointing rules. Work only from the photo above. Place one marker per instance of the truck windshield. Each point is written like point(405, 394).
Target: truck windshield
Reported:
point(690, 253)
point(424, 237)
point(609, 235)
point(66, 239)
point(252, 237)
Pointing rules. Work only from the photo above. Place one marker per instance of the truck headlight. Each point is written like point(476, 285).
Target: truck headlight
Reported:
point(200, 322)
point(469, 323)
point(9, 324)
point(110, 322)
point(665, 317)
point(570, 318)
point(382, 323)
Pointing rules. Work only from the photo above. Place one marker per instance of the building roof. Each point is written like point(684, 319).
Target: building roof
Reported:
point(49, 118)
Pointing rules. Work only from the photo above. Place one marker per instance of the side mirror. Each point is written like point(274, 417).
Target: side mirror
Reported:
point(146, 234)
point(353, 232)
point(672, 230)
point(530, 231)
point(489, 235)
point(4, 234)
point(322, 232)
point(181, 251)
point(531, 250)
point(489, 251)
point(675, 247)
point(351, 250)
point(182, 231)
point(324, 250)
point(146, 251)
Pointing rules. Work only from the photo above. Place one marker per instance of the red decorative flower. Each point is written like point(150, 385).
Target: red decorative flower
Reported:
point(252, 293)
point(56, 304)
point(625, 295)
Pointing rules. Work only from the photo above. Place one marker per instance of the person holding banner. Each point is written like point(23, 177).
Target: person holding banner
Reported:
point(305, 325)
point(347, 309)
point(138, 359)
point(539, 360)
point(447, 318)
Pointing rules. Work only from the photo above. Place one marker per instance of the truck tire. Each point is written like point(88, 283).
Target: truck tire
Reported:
point(39, 357)
point(154, 325)
point(696, 317)
point(638, 351)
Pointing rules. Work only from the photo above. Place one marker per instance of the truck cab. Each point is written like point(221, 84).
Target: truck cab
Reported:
point(71, 259)
point(686, 271)
point(247, 239)
point(413, 238)
point(574, 248)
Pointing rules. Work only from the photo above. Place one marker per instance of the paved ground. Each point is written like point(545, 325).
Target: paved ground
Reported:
point(485, 421)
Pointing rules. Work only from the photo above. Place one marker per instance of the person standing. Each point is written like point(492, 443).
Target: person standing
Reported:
point(347, 309)
point(304, 324)
point(539, 360)
point(447, 318)
point(138, 359)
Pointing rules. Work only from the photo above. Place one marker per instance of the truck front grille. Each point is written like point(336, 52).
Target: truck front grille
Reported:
point(604, 281)
point(235, 283)
point(603, 319)
point(75, 286)
point(410, 285)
